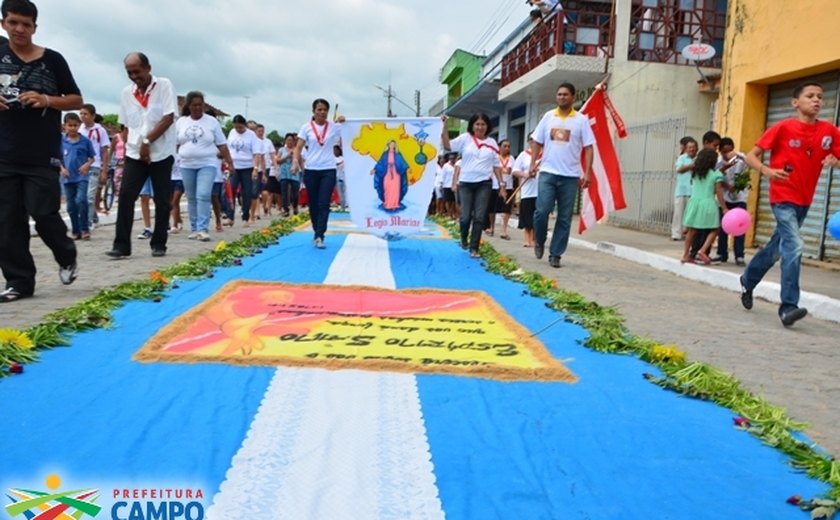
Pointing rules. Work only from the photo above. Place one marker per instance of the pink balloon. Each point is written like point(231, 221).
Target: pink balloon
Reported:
point(736, 222)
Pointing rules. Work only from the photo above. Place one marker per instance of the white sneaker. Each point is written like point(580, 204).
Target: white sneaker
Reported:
point(202, 236)
point(69, 273)
point(194, 235)
point(319, 243)
point(145, 235)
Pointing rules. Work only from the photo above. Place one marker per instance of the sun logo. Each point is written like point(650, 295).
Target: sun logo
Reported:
point(61, 505)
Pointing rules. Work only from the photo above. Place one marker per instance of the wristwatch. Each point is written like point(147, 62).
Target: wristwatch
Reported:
point(146, 140)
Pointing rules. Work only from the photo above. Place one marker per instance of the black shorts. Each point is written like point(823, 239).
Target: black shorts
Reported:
point(448, 195)
point(273, 185)
point(526, 213)
point(501, 205)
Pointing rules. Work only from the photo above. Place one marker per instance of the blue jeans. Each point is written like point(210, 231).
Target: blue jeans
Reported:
point(75, 193)
point(341, 188)
point(786, 243)
point(198, 184)
point(559, 191)
point(475, 199)
point(92, 187)
point(242, 176)
point(723, 238)
point(319, 186)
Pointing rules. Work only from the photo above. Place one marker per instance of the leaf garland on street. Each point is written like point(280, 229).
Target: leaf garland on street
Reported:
point(608, 334)
point(96, 312)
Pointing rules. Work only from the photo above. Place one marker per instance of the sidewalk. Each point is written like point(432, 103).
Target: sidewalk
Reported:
point(97, 271)
point(820, 285)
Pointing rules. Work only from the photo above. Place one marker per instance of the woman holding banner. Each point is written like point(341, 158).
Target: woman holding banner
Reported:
point(473, 182)
point(319, 172)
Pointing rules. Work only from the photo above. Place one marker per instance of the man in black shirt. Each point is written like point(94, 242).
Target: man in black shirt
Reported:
point(35, 86)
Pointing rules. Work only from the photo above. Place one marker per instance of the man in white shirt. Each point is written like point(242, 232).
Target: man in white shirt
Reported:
point(560, 137)
point(98, 136)
point(147, 108)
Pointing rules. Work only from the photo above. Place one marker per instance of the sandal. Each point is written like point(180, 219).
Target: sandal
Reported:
point(11, 294)
point(703, 257)
point(218, 227)
point(504, 237)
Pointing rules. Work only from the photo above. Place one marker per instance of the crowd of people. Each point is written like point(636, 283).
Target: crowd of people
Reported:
point(160, 153)
point(715, 180)
point(163, 152)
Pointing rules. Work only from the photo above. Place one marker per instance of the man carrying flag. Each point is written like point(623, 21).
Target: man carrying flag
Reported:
point(562, 136)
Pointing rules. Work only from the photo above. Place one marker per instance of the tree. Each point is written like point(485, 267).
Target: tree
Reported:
point(227, 125)
point(275, 138)
point(110, 121)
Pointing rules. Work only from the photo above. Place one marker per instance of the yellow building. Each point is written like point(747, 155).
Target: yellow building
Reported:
point(771, 46)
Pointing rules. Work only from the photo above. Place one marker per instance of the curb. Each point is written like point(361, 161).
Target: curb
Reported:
point(818, 305)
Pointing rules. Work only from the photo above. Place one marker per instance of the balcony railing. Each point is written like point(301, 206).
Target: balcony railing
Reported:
point(587, 32)
point(659, 30)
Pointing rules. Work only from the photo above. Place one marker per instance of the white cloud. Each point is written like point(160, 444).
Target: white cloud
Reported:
point(280, 55)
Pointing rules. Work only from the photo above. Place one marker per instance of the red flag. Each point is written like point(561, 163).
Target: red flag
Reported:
point(605, 193)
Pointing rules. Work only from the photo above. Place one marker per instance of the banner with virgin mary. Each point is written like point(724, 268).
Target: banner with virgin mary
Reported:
point(389, 168)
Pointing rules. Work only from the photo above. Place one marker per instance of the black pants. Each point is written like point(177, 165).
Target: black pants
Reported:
point(134, 175)
point(475, 199)
point(242, 177)
point(25, 191)
point(319, 186)
point(290, 190)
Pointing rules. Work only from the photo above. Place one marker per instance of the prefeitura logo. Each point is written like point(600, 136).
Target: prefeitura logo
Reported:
point(28, 503)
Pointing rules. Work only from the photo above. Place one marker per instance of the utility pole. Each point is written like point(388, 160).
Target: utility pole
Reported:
point(389, 93)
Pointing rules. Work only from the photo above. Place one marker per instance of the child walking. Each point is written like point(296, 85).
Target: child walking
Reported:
point(77, 156)
point(701, 212)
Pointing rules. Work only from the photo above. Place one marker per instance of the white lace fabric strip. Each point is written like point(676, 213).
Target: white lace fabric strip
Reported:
point(343, 444)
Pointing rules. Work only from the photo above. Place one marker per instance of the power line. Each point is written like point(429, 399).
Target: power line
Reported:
point(499, 25)
point(484, 31)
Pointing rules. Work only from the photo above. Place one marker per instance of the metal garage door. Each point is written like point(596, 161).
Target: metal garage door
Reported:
point(818, 244)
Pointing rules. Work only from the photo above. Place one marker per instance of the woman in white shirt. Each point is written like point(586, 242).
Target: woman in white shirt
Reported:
point(319, 175)
point(200, 140)
point(473, 181)
point(246, 151)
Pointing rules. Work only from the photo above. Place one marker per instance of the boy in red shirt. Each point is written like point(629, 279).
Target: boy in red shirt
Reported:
point(799, 148)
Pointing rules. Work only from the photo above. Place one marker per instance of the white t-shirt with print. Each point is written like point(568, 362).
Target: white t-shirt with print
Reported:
point(199, 140)
point(141, 120)
point(268, 156)
point(320, 155)
point(447, 172)
point(507, 177)
point(220, 176)
point(339, 168)
point(563, 140)
point(243, 148)
point(175, 175)
point(738, 166)
point(98, 136)
point(529, 184)
point(478, 157)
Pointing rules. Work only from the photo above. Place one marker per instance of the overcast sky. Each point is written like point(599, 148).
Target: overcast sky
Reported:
point(279, 54)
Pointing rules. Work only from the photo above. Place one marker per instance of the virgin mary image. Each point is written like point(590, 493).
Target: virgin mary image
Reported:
point(390, 178)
